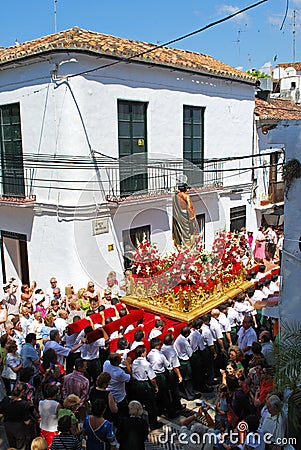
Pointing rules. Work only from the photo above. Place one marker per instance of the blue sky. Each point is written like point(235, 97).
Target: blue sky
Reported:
point(251, 40)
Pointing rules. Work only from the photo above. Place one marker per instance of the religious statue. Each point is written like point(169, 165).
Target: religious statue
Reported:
point(184, 224)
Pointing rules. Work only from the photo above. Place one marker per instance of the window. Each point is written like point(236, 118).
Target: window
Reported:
point(14, 257)
point(238, 217)
point(12, 170)
point(131, 239)
point(200, 218)
point(193, 143)
point(132, 139)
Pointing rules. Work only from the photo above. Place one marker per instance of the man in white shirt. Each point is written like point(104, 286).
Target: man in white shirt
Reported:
point(225, 325)
point(90, 352)
point(49, 295)
point(241, 307)
point(268, 348)
point(234, 320)
point(209, 352)
point(184, 352)
point(118, 380)
point(25, 321)
point(274, 285)
point(145, 385)
point(246, 336)
point(175, 377)
point(62, 352)
point(160, 366)
point(157, 330)
point(258, 295)
point(61, 320)
point(274, 422)
point(197, 359)
point(271, 242)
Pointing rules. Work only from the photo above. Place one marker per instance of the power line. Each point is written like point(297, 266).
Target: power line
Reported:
point(185, 36)
point(78, 162)
point(241, 171)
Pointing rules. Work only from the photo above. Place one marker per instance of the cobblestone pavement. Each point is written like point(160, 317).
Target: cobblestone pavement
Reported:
point(165, 438)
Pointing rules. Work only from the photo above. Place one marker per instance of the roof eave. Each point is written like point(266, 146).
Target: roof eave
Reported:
point(210, 72)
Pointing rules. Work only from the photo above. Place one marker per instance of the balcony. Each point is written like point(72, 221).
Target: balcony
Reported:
point(276, 191)
point(156, 178)
point(15, 188)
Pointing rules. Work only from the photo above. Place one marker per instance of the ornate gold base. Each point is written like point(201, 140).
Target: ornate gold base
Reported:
point(185, 305)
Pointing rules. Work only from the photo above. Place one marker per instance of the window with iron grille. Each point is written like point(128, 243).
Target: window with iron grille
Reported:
point(12, 170)
point(238, 217)
point(131, 239)
point(193, 143)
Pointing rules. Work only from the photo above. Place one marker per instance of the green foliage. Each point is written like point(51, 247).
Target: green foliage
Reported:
point(291, 171)
point(288, 370)
point(257, 74)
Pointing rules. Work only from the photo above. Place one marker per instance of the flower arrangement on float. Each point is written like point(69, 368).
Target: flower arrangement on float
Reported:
point(187, 269)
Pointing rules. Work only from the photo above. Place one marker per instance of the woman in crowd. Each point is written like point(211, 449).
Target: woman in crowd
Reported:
point(16, 417)
point(133, 431)
point(39, 444)
point(259, 249)
point(236, 355)
point(99, 431)
point(13, 362)
point(27, 292)
point(240, 404)
point(48, 410)
point(65, 440)
point(47, 327)
point(230, 370)
point(83, 299)
point(100, 392)
point(71, 405)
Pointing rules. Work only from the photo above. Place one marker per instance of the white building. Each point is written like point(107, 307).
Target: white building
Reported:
point(72, 104)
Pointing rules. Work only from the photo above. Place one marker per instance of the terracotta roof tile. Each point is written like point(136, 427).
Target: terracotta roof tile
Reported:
point(106, 45)
point(296, 65)
point(277, 109)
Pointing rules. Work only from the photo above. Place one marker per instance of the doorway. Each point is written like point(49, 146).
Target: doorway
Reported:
point(14, 257)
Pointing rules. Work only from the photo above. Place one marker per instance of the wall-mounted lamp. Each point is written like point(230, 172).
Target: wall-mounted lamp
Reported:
point(55, 68)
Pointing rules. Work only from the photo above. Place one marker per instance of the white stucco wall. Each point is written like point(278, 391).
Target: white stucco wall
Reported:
point(79, 115)
point(289, 132)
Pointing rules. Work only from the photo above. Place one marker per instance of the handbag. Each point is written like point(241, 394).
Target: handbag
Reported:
point(8, 373)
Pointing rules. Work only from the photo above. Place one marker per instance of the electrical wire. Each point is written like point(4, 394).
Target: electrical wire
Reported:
point(285, 14)
point(117, 181)
point(81, 161)
point(185, 36)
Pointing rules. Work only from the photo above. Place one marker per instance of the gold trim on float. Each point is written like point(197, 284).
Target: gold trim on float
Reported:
point(185, 305)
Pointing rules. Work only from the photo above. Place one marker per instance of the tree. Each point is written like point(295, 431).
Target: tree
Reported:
point(257, 74)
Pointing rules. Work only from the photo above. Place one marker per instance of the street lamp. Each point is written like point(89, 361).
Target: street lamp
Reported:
point(275, 216)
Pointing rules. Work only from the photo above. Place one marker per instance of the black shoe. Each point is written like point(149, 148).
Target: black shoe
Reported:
point(156, 426)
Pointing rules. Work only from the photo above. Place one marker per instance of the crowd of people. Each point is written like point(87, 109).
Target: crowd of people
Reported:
point(60, 389)
point(265, 245)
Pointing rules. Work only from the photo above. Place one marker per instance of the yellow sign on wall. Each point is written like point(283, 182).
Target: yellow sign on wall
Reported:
point(140, 142)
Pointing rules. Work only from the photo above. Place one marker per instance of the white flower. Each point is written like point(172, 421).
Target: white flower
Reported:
point(138, 269)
